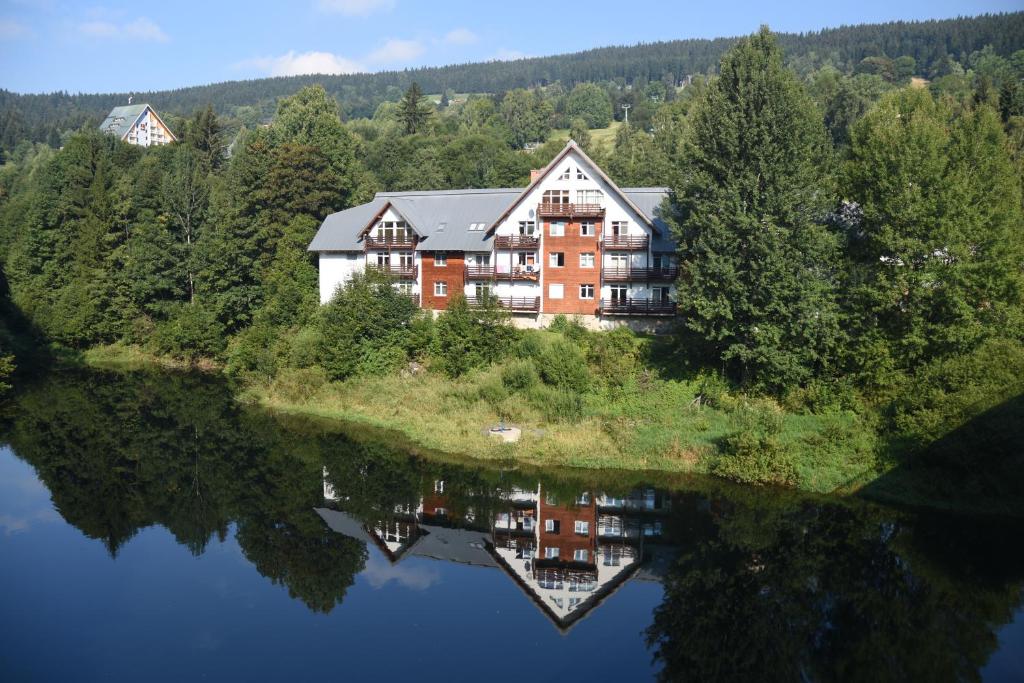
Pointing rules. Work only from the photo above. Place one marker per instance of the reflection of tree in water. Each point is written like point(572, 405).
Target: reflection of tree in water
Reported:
point(123, 452)
point(830, 592)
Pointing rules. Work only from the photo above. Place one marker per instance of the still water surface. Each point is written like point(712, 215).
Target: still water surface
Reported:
point(152, 528)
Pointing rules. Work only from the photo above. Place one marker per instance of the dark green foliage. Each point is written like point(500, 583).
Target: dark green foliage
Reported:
point(191, 331)
point(562, 365)
point(413, 112)
point(364, 328)
point(520, 375)
point(468, 337)
point(589, 102)
point(556, 404)
point(759, 264)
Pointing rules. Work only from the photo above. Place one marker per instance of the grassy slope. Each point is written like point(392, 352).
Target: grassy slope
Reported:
point(601, 137)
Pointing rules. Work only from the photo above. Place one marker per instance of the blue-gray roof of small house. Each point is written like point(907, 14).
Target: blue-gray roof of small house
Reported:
point(443, 218)
point(120, 119)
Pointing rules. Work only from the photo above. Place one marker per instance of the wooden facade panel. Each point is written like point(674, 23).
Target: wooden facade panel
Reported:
point(571, 275)
point(453, 273)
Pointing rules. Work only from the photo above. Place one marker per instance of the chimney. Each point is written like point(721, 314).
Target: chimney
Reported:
point(535, 173)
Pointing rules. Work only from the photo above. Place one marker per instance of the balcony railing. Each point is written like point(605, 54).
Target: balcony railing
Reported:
point(395, 270)
point(516, 242)
point(639, 273)
point(637, 307)
point(394, 242)
point(626, 242)
point(475, 272)
point(562, 210)
point(529, 304)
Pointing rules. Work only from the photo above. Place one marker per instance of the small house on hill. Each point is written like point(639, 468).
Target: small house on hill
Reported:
point(137, 124)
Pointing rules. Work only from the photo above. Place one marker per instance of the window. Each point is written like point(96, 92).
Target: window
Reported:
point(659, 295)
point(477, 227)
point(550, 499)
point(551, 553)
point(481, 290)
point(587, 259)
point(618, 293)
point(555, 197)
point(620, 228)
point(558, 229)
point(550, 526)
point(580, 175)
point(439, 486)
point(618, 261)
point(589, 196)
point(556, 291)
point(440, 259)
point(587, 229)
point(659, 262)
point(582, 528)
point(404, 287)
point(565, 174)
point(527, 227)
point(441, 512)
point(583, 499)
point(556, 259)
point(586, 291)
point(526, 258)
point(440, 289)
point(580, 555)
point(383, 259)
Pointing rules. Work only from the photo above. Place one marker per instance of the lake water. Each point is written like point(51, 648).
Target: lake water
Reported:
point(152, 528)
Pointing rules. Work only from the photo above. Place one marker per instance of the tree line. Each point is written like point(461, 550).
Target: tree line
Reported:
point(928, 45)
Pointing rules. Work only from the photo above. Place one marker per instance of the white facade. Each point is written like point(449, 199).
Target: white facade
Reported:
point(148, 130)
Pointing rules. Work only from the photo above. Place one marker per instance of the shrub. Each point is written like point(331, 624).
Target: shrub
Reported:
point(191, 332)
point(251, 353)
point(753, 457)
point(563, 366)
point(303, 347)
point(570, 328)
point(493, 392)
point(365, 327)
point(467, 337)
point(520, 375)
point(615, 355)
point(949, 392)
point(556, 405)
point(530, 346)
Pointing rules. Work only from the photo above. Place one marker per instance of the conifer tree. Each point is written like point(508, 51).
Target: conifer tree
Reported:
point(412, 112)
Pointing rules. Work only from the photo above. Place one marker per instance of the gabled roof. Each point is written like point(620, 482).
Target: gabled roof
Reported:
point(442, 218)
point(121, 119)
point(570, 147)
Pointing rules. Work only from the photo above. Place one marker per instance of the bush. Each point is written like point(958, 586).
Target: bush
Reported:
point(251, 353)
point(365, 327)
point(530, 346)
point(556, 405)
point(615, 356)
point(949, 392)
point(520, 375)
point(753, 457)
point(563, 366)
point(467, 337)
point(191, 332)
point(570, 328)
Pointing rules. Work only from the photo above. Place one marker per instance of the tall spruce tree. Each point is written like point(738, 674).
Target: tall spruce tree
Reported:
point(758, 265)
point(412, 111)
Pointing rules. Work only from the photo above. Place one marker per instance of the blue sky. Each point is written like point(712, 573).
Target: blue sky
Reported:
point(116, 46)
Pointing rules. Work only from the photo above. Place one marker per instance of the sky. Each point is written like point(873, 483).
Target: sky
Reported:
point(121, 46)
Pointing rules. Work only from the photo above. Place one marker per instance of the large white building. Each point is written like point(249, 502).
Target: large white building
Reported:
point(137, 124)
point(571, 242)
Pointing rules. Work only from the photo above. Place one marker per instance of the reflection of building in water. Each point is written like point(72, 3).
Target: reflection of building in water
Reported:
point(567, 554)
point(570, 554)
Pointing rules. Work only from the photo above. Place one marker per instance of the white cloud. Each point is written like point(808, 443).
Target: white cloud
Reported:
point(360, 8)
point(396, 50)
point(10, 29)
point(298, 63)
point(461, 36)
point(142, 29)
point(379, 573)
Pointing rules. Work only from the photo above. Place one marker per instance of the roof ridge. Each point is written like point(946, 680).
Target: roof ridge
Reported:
point(429, 193)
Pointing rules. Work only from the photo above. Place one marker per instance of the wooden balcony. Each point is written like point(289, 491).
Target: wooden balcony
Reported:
point(562, 210)
point(371, 242)
point(415, 298)
point(475, 272)
point(516, 242)
point(395, 270)
point(626, 242)
point(524, 304)
point(640, 274)
point(637, 307)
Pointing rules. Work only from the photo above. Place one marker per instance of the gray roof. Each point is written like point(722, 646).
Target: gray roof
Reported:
point(442, 218)
point(451, 544)
point(120, 119)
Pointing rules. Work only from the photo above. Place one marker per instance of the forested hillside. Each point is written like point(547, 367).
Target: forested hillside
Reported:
point(926, 47)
